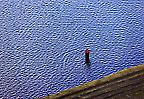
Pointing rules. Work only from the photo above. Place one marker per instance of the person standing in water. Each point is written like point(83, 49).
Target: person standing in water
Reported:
point(87, 60)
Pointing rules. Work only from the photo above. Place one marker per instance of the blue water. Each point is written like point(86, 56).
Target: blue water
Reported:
point(42, 43)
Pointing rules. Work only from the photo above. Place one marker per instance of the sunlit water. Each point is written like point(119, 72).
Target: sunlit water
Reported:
point(42, 43)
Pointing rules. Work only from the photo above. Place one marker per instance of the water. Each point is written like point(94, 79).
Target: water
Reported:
point(42, 43)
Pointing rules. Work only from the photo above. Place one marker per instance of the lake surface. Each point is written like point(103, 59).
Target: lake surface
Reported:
point(42, 43)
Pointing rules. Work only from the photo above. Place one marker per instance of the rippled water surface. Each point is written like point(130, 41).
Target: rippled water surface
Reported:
point(42, 43)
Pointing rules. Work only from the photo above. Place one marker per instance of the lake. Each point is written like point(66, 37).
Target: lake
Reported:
point(42, 43)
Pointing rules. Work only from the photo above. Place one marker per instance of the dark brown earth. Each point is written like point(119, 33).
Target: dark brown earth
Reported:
point(125, 84)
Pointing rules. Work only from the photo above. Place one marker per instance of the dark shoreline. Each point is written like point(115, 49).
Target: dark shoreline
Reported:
point(127, 83)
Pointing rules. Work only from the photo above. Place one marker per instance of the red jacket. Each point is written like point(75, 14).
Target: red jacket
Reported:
point(87, 51)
